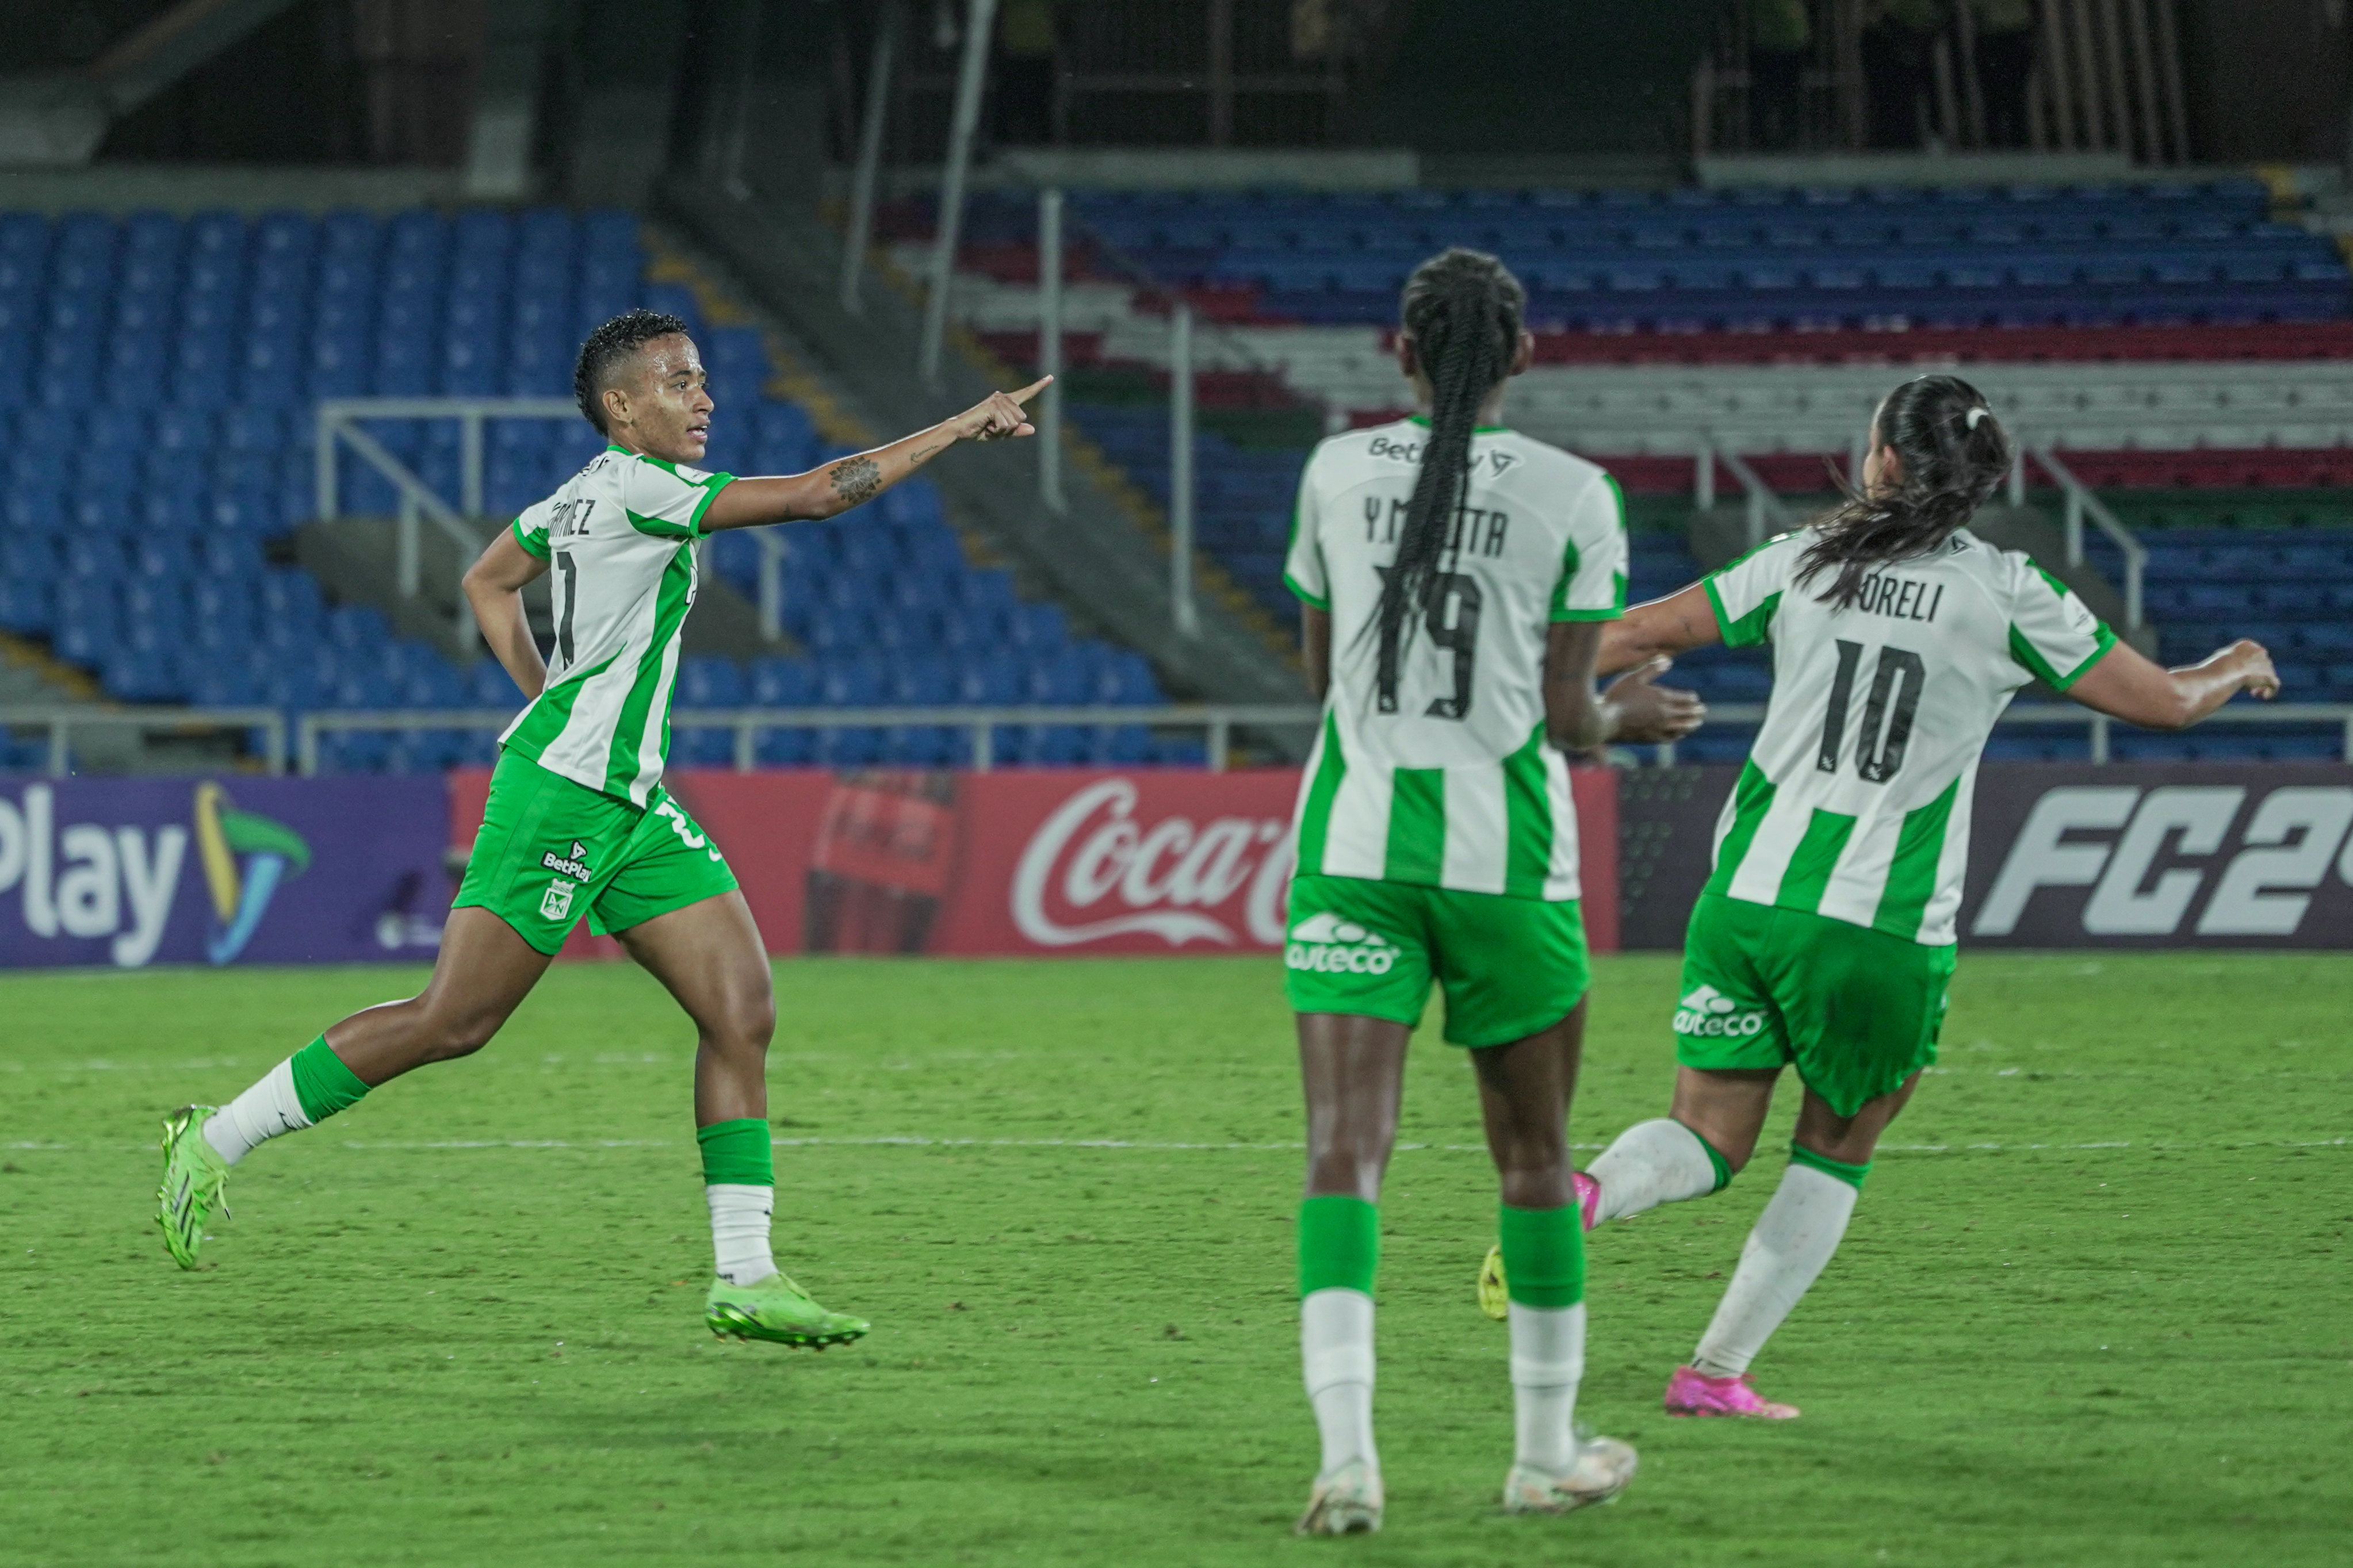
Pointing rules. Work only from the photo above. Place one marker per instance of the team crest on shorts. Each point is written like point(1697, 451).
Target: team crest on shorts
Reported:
point(556, 903)
point(1329, 945)
point(1710, 1013)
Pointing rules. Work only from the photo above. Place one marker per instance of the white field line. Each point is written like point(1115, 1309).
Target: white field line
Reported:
point(910, 1142)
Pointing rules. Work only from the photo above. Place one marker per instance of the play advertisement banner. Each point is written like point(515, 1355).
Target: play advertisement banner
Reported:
point(2130, 855)
point(1022, 861)
point(129, 872)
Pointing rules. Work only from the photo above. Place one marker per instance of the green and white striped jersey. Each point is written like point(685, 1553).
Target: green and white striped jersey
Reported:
point(1854, 802)
point(621, 536)
point(1457, 787)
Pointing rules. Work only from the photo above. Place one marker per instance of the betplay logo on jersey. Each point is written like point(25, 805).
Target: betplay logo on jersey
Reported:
point(1330, 945)
point(1710, 1013)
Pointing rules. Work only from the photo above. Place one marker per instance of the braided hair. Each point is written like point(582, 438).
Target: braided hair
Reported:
point(1955, 453)
point(1462, 309)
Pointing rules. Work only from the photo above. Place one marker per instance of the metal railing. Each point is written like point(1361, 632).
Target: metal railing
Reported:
point(61, 722)
point(340, 427)
point(1216, 721)
point(2081, 502)
point(2047, 715)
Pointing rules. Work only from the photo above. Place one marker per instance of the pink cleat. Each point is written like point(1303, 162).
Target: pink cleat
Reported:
point(1588, 1197)
point(1690, 1392)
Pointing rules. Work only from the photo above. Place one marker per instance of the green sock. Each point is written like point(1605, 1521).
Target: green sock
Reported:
point(1838, 1170)
point(1543, 1256)
point(1722, 1166)
point(736, 1154)
point(1339, 1245)
point(323, 1083)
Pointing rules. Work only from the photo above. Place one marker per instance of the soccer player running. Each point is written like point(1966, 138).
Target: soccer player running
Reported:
point(1824, 939)
point(579, 822)
point(1455, 577)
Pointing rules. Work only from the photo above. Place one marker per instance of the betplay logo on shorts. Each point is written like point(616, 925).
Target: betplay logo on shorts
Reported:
point(1330, 945)
point(1710, 1013)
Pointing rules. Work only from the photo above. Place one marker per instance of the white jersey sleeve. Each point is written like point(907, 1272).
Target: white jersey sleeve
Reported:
point(1302, 563)
point(667, 500)
point(1593, 568)
point(1746, 594)
point(531, 528)
point(2054, 635)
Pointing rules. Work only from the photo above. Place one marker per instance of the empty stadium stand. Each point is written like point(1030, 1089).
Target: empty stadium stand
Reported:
point(2166, 338)
point(166, 371)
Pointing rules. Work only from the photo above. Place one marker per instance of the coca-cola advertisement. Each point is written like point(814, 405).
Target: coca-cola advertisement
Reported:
point(1032, 861)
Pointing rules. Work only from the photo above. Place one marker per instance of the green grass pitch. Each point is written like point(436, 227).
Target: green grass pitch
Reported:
point(2095, 1307)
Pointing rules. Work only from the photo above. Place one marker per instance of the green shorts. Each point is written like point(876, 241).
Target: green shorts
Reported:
point(1509, 966)
point(1856, 1010)
point(551, 850)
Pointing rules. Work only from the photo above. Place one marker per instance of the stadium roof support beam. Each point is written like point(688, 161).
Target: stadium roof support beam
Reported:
point(506, 101)
point(57, 120)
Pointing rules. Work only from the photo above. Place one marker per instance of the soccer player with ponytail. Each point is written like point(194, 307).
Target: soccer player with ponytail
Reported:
point(1456, 578)
point(1824, 939)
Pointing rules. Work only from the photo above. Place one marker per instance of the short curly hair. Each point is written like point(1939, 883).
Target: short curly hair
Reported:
point(607, 346)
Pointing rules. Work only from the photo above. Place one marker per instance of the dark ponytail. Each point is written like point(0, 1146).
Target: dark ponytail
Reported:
point(1955, 453)
point(1462, 309)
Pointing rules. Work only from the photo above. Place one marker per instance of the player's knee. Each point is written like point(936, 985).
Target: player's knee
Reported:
point(449, 1037)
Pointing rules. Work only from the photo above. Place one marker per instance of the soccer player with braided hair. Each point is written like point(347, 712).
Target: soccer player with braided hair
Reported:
point(1824, 937)
point(579, 822)
point(1455, 577)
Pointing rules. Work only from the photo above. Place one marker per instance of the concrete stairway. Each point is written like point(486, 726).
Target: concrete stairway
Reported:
point(1095, 558)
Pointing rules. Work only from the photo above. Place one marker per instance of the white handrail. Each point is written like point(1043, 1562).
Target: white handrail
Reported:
point(1216, 720)
point(2047, 714)
point(61, 722)
point(2081, 502)
point(1762, 503)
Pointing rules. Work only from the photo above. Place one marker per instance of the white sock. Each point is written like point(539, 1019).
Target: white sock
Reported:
point(262, 1112)
point(739, 1230)
point(1652, 1162)
point(1335, 1349)
point(1547, 1362)
point(1793, 1239)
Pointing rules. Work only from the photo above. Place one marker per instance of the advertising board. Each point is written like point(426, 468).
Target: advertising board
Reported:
point(2129, 855)
point(220, 870)
point(1036, 861)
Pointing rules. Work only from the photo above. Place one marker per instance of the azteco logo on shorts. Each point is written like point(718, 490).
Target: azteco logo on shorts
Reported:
point(1330, 945)
point(1169, 876)
point(1709, 1012)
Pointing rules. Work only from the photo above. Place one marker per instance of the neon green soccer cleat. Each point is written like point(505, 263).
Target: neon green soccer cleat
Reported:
point(1494, 1290)
point(195, 1181)
point(779, 1311)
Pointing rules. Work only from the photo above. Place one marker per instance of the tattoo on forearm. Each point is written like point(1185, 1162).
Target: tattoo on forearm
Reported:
point(925, 454)
point(856, 479)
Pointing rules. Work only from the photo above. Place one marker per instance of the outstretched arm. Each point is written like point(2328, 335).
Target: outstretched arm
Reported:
point(1661, 628)
point(494, 588)
point(1578, 718)
point(843, 483)
point(2126, 685)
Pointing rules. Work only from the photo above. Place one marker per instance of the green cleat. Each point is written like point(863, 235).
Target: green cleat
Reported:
point(195, 1177)
point(779, 1311)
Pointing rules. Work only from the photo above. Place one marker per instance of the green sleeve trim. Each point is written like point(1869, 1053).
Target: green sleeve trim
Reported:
point(2031, 658)
point(532, 545)
point(1293, 583)
point(1617, 613)
point(666, 528)
point(1748, 630)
